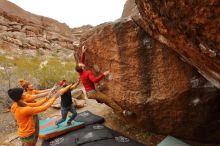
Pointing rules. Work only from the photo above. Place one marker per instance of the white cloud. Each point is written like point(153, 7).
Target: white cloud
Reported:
point(75, 12)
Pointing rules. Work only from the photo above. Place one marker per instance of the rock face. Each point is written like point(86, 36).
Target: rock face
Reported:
point(21, 30)
point(166, 95)
point(139, 64)
point(191, 28)
point(19, 15)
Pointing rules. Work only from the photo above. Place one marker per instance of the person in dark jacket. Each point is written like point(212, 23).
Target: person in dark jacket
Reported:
point(66, 105)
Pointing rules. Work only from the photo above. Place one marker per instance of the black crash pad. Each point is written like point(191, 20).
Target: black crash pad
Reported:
point(88, 134)
point(113, 142)
point(117, 140)
point(93, 135)
point(89, 118)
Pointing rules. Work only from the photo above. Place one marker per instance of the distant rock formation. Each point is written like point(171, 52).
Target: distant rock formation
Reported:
point(130, 9)
point(150, 79)
point(21, 30)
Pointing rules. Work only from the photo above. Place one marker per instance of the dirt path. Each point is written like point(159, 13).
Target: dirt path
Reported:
point(111, 121)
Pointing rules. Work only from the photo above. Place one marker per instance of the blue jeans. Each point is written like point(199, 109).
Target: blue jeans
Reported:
point(64, 112)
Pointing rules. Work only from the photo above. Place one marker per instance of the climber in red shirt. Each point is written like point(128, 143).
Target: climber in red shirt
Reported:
point(88, 80)
point(87, 77)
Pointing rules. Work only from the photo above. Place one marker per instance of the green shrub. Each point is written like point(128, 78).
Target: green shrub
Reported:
point(33, 70)
point(54, 71)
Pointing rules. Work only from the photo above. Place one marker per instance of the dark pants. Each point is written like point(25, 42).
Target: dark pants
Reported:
point(64, 112)
point(36, 122)
point(28, 141)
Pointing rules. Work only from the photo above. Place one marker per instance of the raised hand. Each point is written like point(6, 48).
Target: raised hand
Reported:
point(83, 49)
point(106, 73)
point(75, 84)
point(78, 81)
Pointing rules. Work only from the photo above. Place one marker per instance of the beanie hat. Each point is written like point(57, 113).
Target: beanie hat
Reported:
point(15, 94)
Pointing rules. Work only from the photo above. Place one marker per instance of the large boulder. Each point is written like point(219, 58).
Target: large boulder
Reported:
point(165, 94)
point(191, 28)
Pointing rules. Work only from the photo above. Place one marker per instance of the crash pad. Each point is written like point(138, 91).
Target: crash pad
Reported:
point(89, 118)
point(118, 139)
point(48, 130)
point(171, 141)
point(112, 142)
point(92, 135)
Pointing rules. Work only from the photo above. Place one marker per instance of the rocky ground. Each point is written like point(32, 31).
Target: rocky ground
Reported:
point(8, 135)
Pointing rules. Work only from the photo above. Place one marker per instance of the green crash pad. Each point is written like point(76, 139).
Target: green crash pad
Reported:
point(47, 129)
point(171, 141)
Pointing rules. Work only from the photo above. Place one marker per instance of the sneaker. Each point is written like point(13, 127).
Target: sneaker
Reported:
point(56, 126)
point(69, 123)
